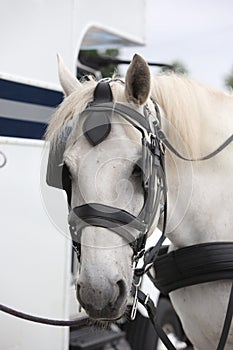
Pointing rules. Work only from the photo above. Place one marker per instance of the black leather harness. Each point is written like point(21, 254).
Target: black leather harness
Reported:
point(199, 263)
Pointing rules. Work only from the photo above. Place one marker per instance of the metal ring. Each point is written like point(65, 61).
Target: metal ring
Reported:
point(136, 285)
point(147, 299)
point(3, 159)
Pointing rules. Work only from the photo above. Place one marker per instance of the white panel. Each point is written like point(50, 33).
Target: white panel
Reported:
point(34, 31)
point(35, 257)
point(125, 18)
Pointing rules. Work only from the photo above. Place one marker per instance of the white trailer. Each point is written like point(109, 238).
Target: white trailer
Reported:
point(36, 256)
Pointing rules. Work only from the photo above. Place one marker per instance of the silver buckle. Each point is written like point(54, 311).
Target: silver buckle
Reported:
point(135, 301)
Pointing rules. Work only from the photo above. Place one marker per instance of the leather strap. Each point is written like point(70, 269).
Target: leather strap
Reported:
point(165, 141)
point(151, 309)
point(195, 264)
point(117, 220)
point(102, 211)
point(126, 112)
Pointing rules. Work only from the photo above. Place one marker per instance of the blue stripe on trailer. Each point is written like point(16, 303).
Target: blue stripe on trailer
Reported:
point(21, 92)
point(22, 128)
point(35, 106)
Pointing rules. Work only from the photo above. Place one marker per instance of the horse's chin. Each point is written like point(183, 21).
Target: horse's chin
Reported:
point(107, 320)
point(107, 315)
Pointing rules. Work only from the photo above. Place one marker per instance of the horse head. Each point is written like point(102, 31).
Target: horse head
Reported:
point(105, 156)
point(106, 153)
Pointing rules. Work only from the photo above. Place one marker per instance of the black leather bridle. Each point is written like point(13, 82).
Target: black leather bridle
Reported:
point(96, 128)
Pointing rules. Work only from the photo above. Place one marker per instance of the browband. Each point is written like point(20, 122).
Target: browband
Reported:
point(128, 113)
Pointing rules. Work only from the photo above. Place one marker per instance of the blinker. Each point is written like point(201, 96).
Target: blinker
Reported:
point(97, 125)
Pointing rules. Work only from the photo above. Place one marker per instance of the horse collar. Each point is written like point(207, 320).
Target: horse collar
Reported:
point(199, 263)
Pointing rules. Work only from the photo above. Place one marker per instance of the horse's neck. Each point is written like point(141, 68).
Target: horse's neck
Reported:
point(200, 194)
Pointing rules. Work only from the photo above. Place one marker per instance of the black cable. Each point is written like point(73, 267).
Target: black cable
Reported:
point(52, 322)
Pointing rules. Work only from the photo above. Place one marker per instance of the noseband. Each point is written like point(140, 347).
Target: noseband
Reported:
point(96, 128)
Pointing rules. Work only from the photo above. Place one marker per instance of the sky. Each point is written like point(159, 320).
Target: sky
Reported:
point(199, 33)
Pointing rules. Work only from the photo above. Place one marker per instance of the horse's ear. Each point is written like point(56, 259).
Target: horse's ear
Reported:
point(68, 82)
point(137, 81)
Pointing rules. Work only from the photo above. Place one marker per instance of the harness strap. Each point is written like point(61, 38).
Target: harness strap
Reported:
point(199, 263)
point(126, 112)
point(151, 254)
point(164, 139)
point(101, 222)
point(227, 322)
point(115, 215)
point(117, 220)
point(151, 309)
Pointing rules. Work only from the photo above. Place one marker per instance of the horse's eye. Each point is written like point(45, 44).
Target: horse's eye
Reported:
point(67, 181)
point(137, 171)
point(66, 171)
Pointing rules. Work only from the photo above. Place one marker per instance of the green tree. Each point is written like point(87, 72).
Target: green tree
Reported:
point(229, 80)
point(177, 67)
point(102, 61)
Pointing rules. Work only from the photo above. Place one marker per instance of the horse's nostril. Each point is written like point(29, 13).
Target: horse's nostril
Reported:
point(100, 302)
point(121, 286)
point(120, 293)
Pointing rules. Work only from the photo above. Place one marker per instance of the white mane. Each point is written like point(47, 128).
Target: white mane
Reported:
point(184, 101)
point(74, 104)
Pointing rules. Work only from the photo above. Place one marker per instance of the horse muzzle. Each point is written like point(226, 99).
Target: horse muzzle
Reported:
point(103, 302)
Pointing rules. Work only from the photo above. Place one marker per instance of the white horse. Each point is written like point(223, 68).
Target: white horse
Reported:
point(196, 120)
